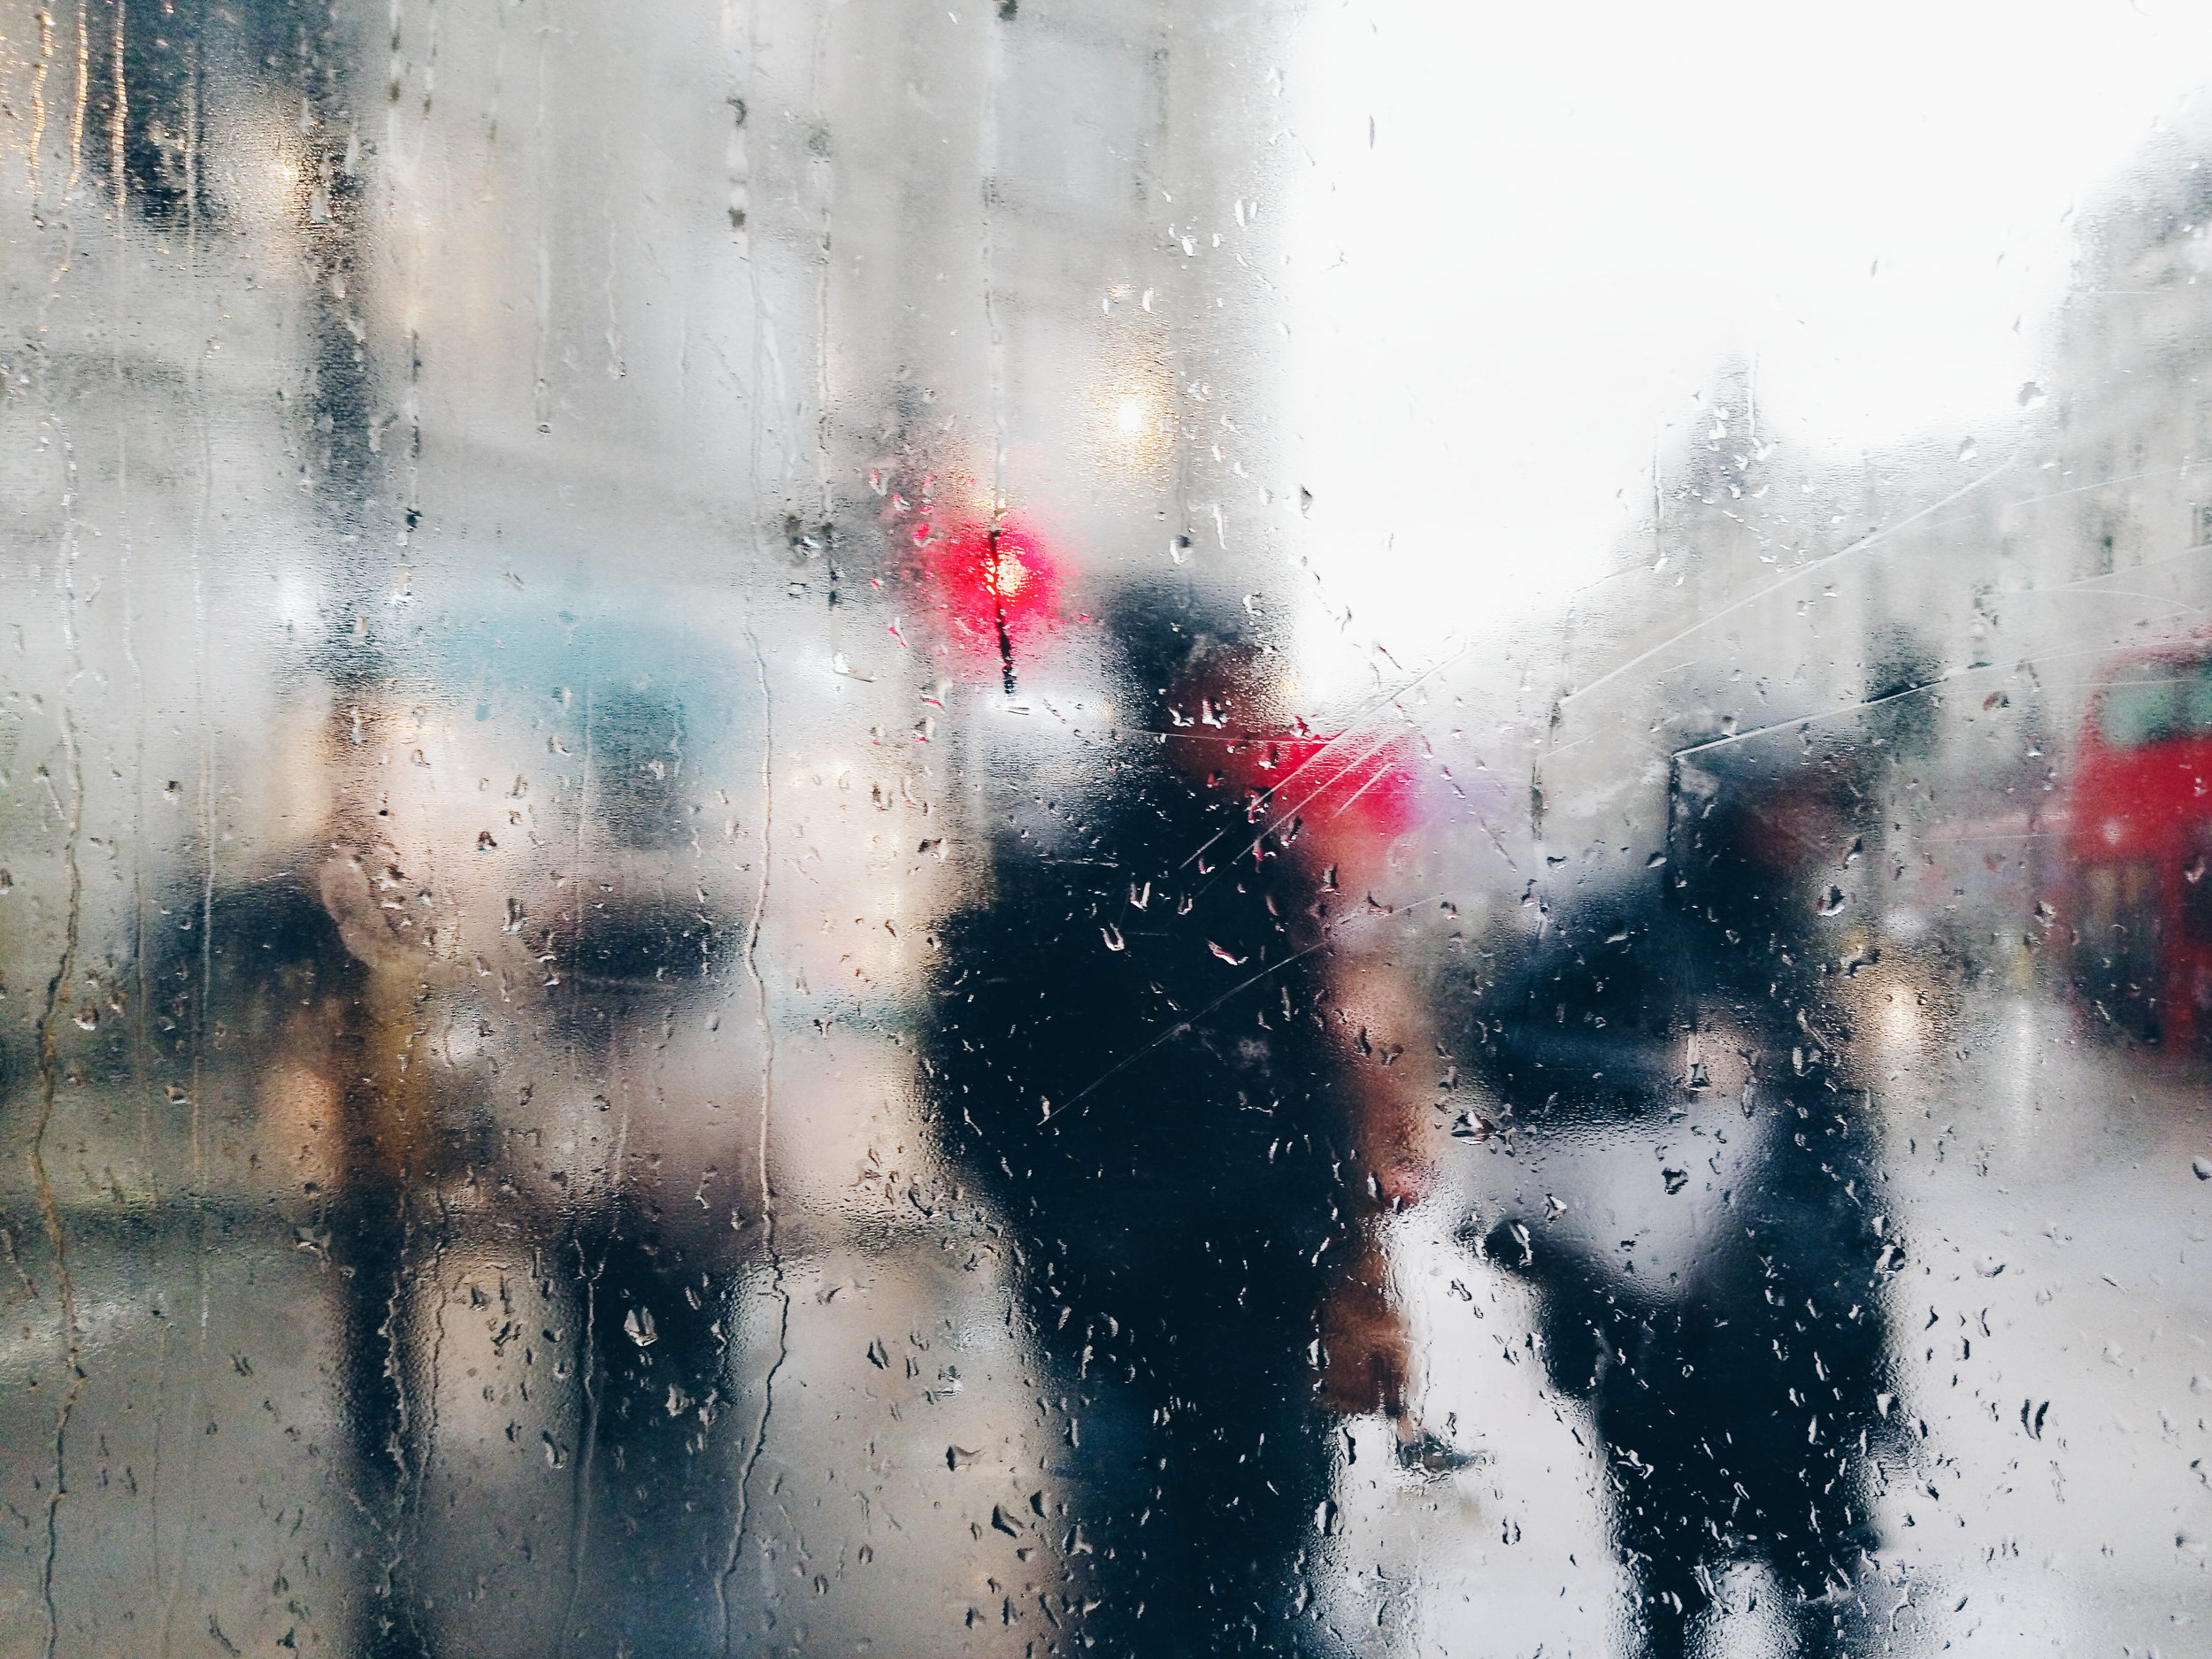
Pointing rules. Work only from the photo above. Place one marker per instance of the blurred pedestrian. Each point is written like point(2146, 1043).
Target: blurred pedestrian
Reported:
point(1735, 1383)
point(465, 989)
point(1179, 1039)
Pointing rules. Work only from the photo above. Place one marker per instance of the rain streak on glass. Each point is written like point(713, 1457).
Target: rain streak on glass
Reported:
point(1046, 828)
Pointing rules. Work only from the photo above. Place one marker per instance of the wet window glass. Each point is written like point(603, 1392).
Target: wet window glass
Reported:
point(1014, 829)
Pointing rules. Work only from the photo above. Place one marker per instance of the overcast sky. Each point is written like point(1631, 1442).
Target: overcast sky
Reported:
point(1568, 214)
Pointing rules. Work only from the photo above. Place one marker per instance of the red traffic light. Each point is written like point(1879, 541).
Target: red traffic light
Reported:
point(996, 585)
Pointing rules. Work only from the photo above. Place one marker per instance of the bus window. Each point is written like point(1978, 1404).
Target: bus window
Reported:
point(2196, 699)
point(2135, 712)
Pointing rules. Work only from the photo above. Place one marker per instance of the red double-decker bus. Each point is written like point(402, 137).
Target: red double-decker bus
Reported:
point(2137, 841)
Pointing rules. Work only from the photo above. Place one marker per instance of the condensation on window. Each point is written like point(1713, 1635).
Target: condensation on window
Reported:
point(1048, 828)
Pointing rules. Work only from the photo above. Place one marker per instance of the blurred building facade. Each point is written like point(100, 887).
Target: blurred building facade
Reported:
point(367, 374)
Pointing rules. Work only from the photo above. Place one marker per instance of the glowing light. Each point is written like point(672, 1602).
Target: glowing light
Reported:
point(995, 584)
point(1131, 413)
point(1009, 576)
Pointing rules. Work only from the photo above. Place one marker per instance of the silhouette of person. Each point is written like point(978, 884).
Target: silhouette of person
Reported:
point(1178, 1044)
point(1736, 1397)
point(456, 1003)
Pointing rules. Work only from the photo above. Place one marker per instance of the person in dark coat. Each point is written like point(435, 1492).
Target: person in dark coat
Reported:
point(1167, 1041)
point(1738, 1398)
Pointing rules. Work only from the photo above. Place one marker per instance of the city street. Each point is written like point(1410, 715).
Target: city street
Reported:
point(2053, 1362)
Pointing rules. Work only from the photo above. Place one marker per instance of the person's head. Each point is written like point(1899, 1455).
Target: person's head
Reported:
point(1192, 661)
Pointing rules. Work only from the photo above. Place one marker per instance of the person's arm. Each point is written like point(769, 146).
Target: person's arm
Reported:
point(1382, 1058)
